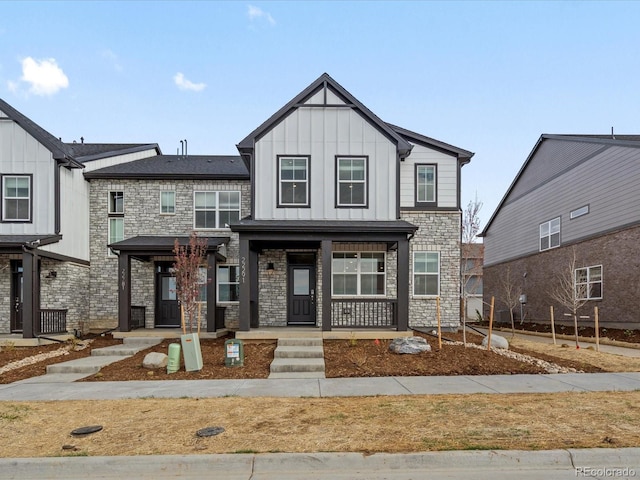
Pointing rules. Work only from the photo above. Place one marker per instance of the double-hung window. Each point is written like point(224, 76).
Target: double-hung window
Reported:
point(16, 198)
point(426, 273)
point(589, 283)
point(167, 203)
point(351, 182)
point(293, 181)
point(215, 209)
point(358, 273)
point(550, 234)
point(116, 218)
point(425, 184)
point(228, 283)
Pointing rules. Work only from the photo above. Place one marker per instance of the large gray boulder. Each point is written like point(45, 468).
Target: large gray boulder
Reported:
point(496, 341)
point(411, 345)
point(155, 360)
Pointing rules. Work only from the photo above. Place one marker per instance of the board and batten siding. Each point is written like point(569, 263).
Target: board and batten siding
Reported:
point(608, 182)
point(20, 153)
point(322, 133)
point(446, 176)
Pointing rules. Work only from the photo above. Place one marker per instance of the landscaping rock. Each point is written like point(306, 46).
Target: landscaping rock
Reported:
point(410, 345)
point(496, 342)
point(155, 360)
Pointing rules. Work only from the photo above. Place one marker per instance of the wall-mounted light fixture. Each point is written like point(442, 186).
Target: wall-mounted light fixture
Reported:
point(51, 274)
point(270, 268)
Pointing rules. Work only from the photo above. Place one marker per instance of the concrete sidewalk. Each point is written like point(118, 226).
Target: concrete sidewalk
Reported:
point(48, 387)
point(459, 465)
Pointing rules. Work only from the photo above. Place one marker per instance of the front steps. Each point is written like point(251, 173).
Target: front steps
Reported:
point(298, 358)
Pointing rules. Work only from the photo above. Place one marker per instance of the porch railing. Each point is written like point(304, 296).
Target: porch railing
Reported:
point(364, 313)
point(53, 321)
point(137, 317)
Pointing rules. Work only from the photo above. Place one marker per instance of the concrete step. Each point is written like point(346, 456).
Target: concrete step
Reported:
point(281, 365)
point(297, 375)
point(300, 342)
point(122, 350)
point(299, 352)
point(86, 365)
point(150, 341)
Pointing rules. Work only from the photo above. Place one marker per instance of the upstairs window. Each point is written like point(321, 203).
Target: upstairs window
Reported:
point(167, 203)
point(293, 181)
point(16, 198)
point(215, 209)
point(589, 283)
point(116, 202)
point(550, 234)
point(116, 232)
point(351, 182)
point(425, 184)
point(116, 219)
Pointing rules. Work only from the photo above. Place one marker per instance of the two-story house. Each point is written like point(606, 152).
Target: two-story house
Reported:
point(576, 200)
point(44, 227)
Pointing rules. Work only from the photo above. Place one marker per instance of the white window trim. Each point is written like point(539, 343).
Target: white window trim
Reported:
point(281, 181)
point(413, 279)
point(358, 277)
point(174, 202)
point(579, 212)
point(365, 182)
point(589, 282)
point(217, 208)
point(109, 211)
point(110, 252)
point(227, 302)
point(28, 198)
point(550, 234)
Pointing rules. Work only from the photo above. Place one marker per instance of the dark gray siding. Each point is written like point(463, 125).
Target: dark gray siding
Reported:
point(609, 182)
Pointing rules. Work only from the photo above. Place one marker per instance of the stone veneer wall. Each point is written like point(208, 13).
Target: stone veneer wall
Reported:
point(5, 294)
point(142, 217)
point(438, 232)
point(68, 290)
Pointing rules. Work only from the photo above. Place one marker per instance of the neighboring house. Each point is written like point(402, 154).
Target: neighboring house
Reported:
point(472, 259)
point(44, 229)
point(574, 194)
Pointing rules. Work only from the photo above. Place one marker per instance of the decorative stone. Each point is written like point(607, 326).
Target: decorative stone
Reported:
point(410, 345)
point(155, 360)
point(496, 341)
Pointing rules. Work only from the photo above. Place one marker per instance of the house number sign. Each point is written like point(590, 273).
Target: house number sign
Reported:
point(243, 268)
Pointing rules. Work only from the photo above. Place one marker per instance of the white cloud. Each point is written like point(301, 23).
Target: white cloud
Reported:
point(256, 13)
point(185, 84)
point(44, 77)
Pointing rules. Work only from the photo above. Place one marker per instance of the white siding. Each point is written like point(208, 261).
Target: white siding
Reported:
point(324, 133)
point(447, 176)
point(118, 159)
point(20, 153)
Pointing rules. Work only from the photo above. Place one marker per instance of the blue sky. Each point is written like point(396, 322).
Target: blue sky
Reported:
point(489, 77)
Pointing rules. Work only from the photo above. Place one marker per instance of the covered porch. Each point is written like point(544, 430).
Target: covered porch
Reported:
point(304, 272)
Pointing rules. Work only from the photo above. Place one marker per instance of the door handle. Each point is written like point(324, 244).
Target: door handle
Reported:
point(313, 295)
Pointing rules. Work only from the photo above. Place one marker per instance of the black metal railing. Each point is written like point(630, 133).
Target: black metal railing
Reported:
point(137, 317)
point(53, 321)
point(364, 313)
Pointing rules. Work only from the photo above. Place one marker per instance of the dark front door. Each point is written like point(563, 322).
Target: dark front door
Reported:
point(302, 291)
point(168, 313)
point(16, 296)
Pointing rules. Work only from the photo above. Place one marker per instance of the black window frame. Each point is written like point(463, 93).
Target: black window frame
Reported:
point(279, 203)
point(2, 202)
point(417, 200)
point(337, 181)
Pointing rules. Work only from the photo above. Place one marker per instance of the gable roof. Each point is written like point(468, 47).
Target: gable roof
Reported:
point(463, 155)
point(324, 81)
point(87, 152)
point(58, 149)
point(595, 143)
point(204, 167)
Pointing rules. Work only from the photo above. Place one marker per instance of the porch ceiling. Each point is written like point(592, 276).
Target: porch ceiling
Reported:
point(146, 246)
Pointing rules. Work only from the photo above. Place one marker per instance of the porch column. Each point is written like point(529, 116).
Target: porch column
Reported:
point(327, 246)
point(254, 320)
point(403, 285)
point(30, 295)
point(212, 288)
point(245, 286)
point(124, 292)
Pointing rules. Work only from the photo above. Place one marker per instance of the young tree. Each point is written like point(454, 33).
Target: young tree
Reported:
point(470, 263)
point(567, 293)
point(188, 261)
point(509, 295)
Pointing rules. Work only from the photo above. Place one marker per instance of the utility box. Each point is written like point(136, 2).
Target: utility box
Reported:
point(173, 362)
point(191, 352)
point(234, 353)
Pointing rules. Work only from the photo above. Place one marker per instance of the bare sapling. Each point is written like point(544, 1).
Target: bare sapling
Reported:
point(189, 260)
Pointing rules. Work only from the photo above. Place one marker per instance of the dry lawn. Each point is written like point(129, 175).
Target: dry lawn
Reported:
point(362, 424)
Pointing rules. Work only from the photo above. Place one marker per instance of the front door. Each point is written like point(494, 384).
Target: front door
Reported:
point(16, 296)
point(302, 290)
point(167, 313)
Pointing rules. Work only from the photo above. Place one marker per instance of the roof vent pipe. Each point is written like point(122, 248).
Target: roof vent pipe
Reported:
point(186, 149)
point(612, 135)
